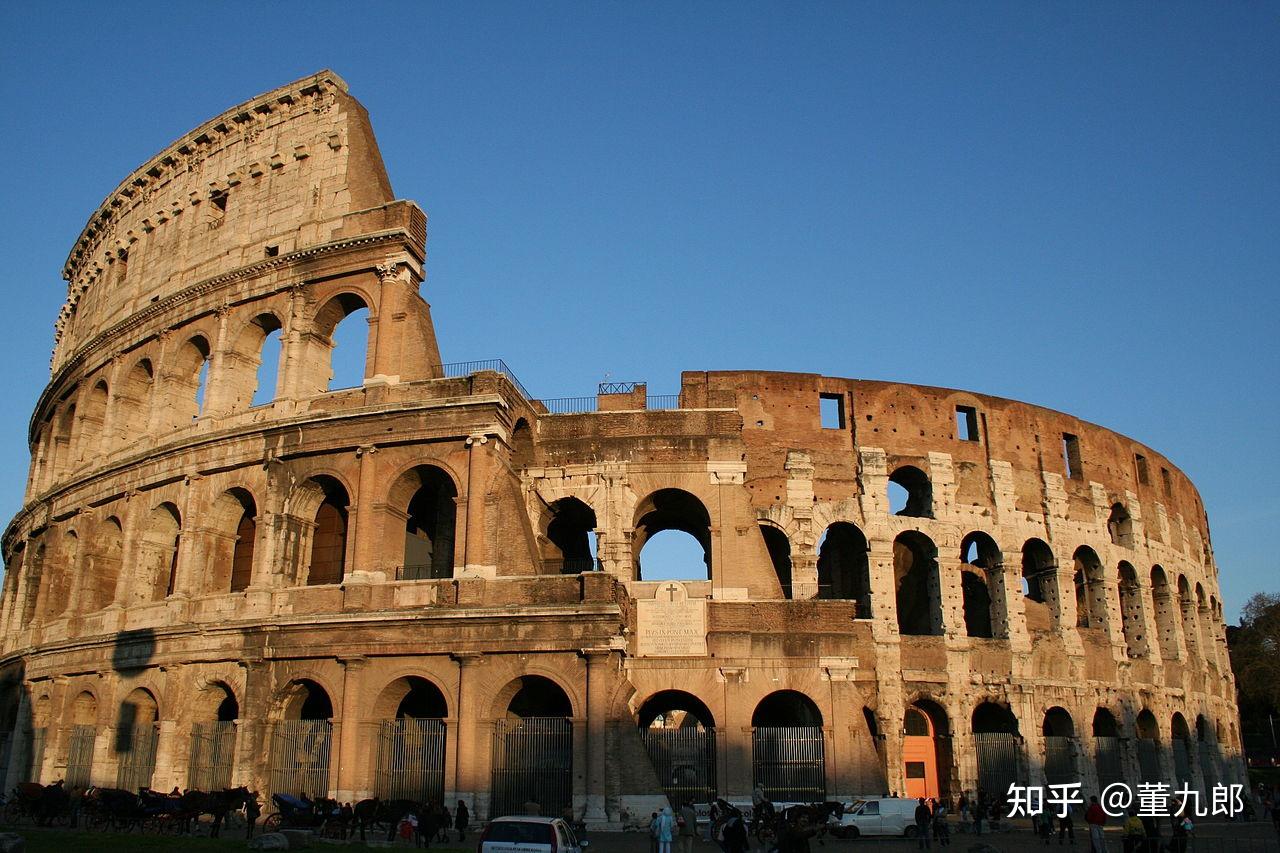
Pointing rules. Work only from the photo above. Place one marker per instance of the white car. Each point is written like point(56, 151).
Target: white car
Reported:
point(879, 816)
point(518, 834)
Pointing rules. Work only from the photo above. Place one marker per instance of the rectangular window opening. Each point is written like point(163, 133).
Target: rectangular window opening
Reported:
point(966, 423)
point(1168, 482)
point(219, 201)
point(832, 410)
point(1140, 462)
point(273, 251)
point(1071, 456)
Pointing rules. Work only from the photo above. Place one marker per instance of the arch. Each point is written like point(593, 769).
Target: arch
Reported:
point(249, 374)
point(340, 359)
point(158, 554)
point(535, 696)
point(300, 741)
point(431, 513)
point(982, 585)
point(1181, 742)
point(996, 742)
point(411, 697)
point(213, 737)
point(675, 709)
point(918, 587)
point(1039, 585)
point(84, 709)
point(305, 699)
point(215, 702)
point(1166, 617)
point(411, 740)
point(1059, 731)
point(1120, 526)
point(786, 708)
point(135, 739)
point(521, 444)
point(994, 718)
point(1104, 724)
point(1131, 619)
point(677, 510)
point(913, 496)
point(572, 532)
point(326, 563)
point(57, 593)
point(926, 753)
point(1190, 626)
point(977, 604)
point(844, 571)
point(1108, 755)
point(1058, 723)
point(106, 559)
point(788, 755)
point(184, 388)
point(35, 579)
point(131, 403)
point(63, 435)
point(93, 416)
point(778, 546)
point(233, 530)
point(1091, 593)
point(532, 748)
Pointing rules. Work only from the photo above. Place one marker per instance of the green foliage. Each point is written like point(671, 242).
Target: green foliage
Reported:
point(1255, 654)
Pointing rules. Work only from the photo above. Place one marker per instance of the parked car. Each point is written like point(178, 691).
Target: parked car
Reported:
point(879, 816)
point(529, 835)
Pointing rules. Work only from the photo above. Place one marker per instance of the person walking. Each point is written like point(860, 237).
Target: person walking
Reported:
point(924, 818)
point(1066, 827)
point(461, 817)
point(687, 824)
point(941, 831)
point(1097, 819)
point(653, 833)
point(666, 830)
point(735, 834)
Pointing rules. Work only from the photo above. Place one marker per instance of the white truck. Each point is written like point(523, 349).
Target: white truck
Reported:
point(879, 816)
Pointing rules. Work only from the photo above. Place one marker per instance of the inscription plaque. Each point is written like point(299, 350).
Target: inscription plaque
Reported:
point(670, 625)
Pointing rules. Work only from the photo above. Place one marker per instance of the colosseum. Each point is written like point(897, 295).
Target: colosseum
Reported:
point(433, 584)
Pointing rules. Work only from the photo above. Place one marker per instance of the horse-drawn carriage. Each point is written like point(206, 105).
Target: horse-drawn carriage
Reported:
point(43, 805)
point(301, 813)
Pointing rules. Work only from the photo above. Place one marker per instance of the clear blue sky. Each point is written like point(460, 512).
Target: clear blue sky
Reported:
point(1077, 205)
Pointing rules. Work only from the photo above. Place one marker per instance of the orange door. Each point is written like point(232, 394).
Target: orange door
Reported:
point(920, 757)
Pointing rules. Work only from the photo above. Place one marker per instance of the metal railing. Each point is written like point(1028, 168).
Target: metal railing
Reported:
point(531, 760)
point(458, 369)
point(300, 758)
point(137, 750)
point(662, 402)
point(80, 755)
point(569, 405)
point(790, 763)
point(685, 762)
point(213, 748)
point(617, 387)
point(411, 760)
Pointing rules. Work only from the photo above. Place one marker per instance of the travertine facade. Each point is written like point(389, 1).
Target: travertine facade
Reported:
point(1045, 604)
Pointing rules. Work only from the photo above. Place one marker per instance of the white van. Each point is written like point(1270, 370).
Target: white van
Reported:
point(879, 816)
point(529, 835)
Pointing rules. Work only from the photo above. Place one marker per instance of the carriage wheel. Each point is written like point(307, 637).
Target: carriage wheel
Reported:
point(272, 822)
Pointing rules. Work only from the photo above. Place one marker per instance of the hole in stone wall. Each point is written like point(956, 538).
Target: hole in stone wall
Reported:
point(966, 423)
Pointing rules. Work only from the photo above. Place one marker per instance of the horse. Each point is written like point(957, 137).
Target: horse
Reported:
point(373, 812)
point(113, 807)
point(216, 804)
point(44, 803)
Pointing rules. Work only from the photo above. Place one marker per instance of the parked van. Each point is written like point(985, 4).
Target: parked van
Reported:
point(529, 835)
point(880, 816)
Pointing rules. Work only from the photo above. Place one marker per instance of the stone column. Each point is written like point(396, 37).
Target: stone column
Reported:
point(348, 760)
point(253, 731)
point(475, 559)
point(600, 664)
point(734, 751)
point(471, 755)
point(362, 530)
point(292, 347)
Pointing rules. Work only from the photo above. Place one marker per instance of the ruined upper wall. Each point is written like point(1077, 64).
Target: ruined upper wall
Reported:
point(270, 176)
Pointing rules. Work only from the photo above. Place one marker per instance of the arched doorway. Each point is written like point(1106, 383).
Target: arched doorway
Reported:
point(532, 751)
point(1209, 756)
point(1181, 750)
point(137, 731)
point(83, 735)
point(996, 743)
point(300, 741)
point(1108, 757)
point(679, 734)
point(213, 739)
point(571, 531)
point(926, 750)
point(1148, 744)
point(788, 755)
point(411, 741)
point(431, 520)
point(1059, 732)
point(681, 526)
point(843, 568)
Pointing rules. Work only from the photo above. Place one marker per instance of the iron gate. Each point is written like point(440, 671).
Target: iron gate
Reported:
point(1109, 760)
point(35, 755)
point(1148, 760)
point(1208, 767)
point(411, 760)
point(685, 761)
point(1059, 761)
point(532, 760)
point(1181, 762)
point(790, 762)
point(213, 747)
point(300, 758)
point(997, 761)
point(80, 755)
point(136, 752)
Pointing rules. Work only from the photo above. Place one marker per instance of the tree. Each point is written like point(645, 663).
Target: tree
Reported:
point(1255, 654)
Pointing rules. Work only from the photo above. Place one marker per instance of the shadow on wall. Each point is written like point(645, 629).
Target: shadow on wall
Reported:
point(131, 652)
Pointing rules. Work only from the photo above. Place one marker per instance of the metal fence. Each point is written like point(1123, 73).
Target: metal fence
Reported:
point(1148, 760)
point(300, 757)
point(685, 762)
point(410, 760)
point(1060, 760)
point(1181, 762)
point(136, 752)
point(34, 757)
point(532, 760)
point(80, 755)
point(569, 405)
point(662, 402)
point(458, 369)
point(1109, 761)
point(997, 761)
point(213, 748)
point(790, 762)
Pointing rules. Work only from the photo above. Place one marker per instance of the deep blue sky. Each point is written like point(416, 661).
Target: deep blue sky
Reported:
point(1077, 205)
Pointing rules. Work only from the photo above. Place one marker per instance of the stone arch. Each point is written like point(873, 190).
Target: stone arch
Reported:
point(36, 556)
point(84, 709)
point(1058, 723)
point(321, 503)
point(570, 532)
point(926, 749)
point(319, 346)
point(131, 403)
point(914, 492)
point(844, 569)
point(1147, 742)
point(1130, 594)
point(425, 497)
point(1040, 585)
point(215, 702)
point(1105, 724)
point(1180, 737)
point(672, 509)
point(233, 532)
point(64, 423)
point(105, 560)
point(305, 698)
point(982, 585)
point(533, 695)
point(1190, 628)
point(674, 709)
point(786, 708)
point(917, 584)
point(158, 554)
point(1059, 732)
point(1166, 613)
point(184, 391)
point(410, 697)
point(778, 546)
point(1090, 586)
point(240, 373)
point(522, 444)
point(92, 419)
point(997, 745)
point(136, 719)
point(1120, 526)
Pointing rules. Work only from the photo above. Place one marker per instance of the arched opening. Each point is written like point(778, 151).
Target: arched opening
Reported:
point(521, 445)
point(431, 518)
point(779, 548)
point(80, 740)
point(411, 741)
point(329, 541)
point(982, 583)
point(1108, 757)
point(183, 391)
point(93, 415)
point(233, 531)
point(267, 346)
point(997, 744)
point(1059, 732)
point(137, 732)
point(1210, 758)
point(132, 404)
point(35, 581)
point(910, 493)
point(64, 450)
point(926, 750)
point(339, 353)
point(1091, 593)
point(977, 604)
point(1120, 526)
point(1148, 746)
point(1205, 621)
point(1166, 617)
point(1181, 750)
point(300, 741)
point(572, 532)
point(58, 577)
point(213, 738)
point(532, 749)
point(158, 554)
point(106, 559)
point(1039, 585)
point(919, 591)
point(788, 755)
point(679, 736)
point(1135, 634)
point(844, 572)
point(672, 538)
point(1187, 607)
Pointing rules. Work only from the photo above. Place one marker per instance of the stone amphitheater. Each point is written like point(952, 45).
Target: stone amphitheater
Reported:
point(433, 585)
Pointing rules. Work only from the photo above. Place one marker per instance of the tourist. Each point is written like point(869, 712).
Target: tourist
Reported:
point(924, 818)
point(687, 823)
point(666, 825)
point(1066, 826)
point(1135, 834)
point(1096, 818)
point(941, 832)
point(964, 811)
point(461, 817)
point(734, 834)
point(653, 833)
